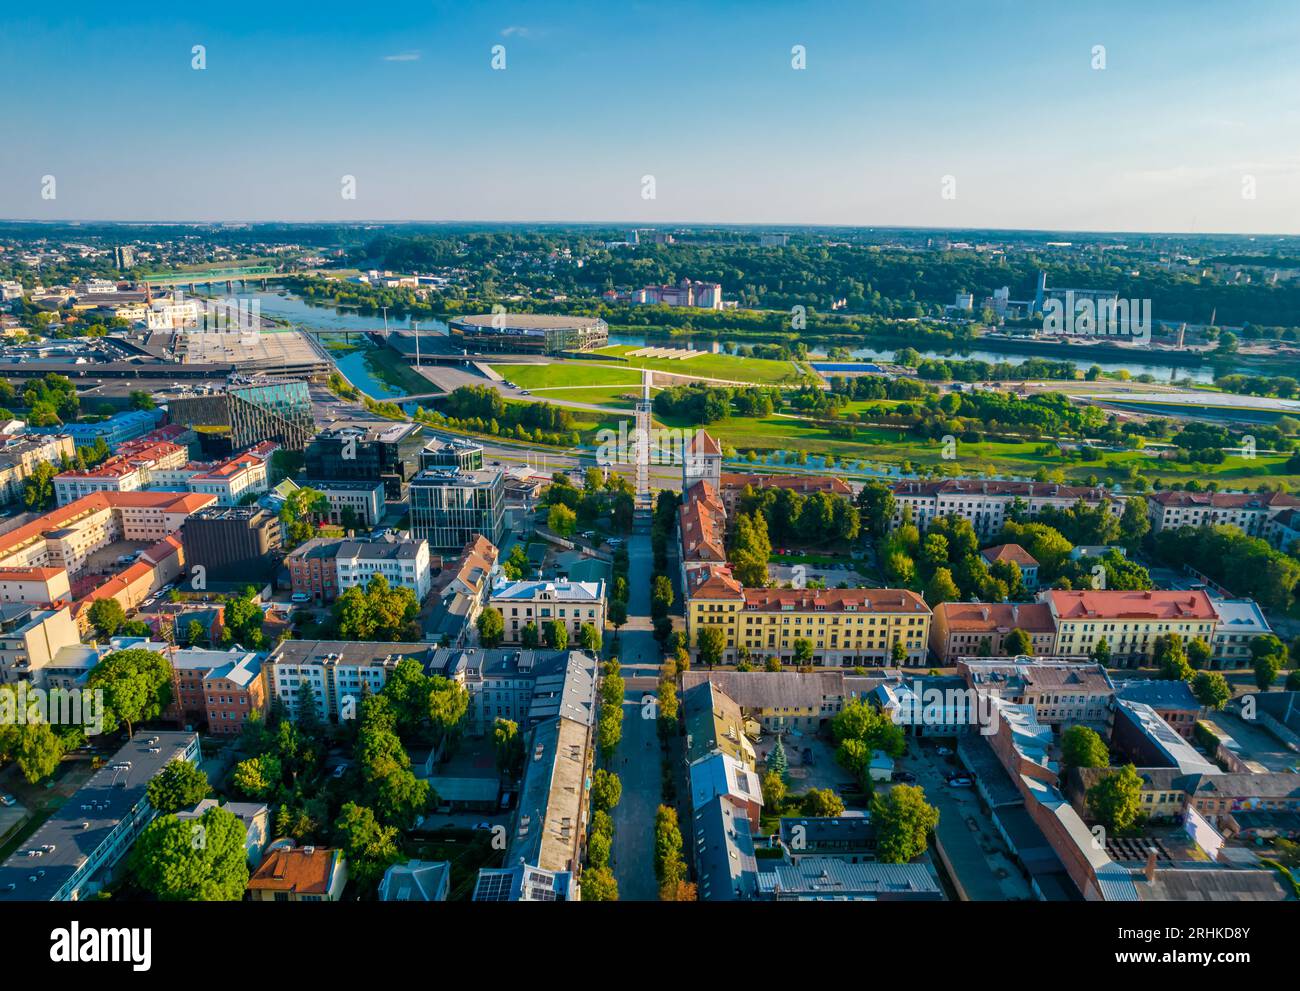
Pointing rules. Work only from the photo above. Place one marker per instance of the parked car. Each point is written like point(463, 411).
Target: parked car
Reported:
point(944, 751)
point(960, 782)
point(7, 800)
point(300, 597)
point(904, 777)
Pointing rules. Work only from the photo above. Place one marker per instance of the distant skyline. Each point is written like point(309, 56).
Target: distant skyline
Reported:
point(1193, 108)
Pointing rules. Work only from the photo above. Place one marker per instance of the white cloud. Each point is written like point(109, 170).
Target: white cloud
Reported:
point(403, 57)
point(517, 31)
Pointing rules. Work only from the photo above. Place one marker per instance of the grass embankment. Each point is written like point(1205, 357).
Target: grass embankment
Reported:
point(894, 447)
point(757, 371)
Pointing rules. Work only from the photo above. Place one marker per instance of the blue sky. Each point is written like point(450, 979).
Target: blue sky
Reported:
point(1001, 96)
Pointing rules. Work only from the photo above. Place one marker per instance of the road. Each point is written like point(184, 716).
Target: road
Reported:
point(637, 761)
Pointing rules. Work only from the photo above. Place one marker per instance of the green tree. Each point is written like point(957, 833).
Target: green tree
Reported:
point(711, 642)
point(1116, 800)
point(448, 706)
point(941, 588)
point(1211, 689)
point(598, 885)
point(137, 686)
point(1101, 652)
point(904, 821)
point(179, 785)
point(606, 790)
point(257, 777)
point(557, 635)
point(491, 627)
point(803, 652)
point(855, 757)
point(1171, 657)
point(562, 520)
point(1266, 669)
point(774, 789)
point(1018, 642)
point(529, 636)
point(38, 487)
point(107, 616)
point(370, 847)
point(589, 638)
point(1199, 653)
point(509, 747)
point(195, 860)
point(299, 513)
point(194, 634)
point(777, 761)
point(669, 866)
point(821, 802)
point(1082, 747)
point(33, 745)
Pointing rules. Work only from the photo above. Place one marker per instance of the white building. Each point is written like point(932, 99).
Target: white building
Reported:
point(1250, 512)
point(405, 563)
point(540, 602)
point(1240, 622)
point(986, 503)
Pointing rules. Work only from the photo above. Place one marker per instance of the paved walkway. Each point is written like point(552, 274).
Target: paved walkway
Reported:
point(637, 760)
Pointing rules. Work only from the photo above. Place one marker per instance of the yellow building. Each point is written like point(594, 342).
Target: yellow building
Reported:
point(1129, 621)
point(844, 627)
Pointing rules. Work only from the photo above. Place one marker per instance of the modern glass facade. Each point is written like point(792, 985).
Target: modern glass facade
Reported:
point(278, 410)
point(449, 507)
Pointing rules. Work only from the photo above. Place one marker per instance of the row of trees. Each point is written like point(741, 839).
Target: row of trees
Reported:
point(808, 521)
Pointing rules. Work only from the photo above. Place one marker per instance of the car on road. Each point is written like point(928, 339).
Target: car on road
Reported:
point(524, 392)
point(903, 777)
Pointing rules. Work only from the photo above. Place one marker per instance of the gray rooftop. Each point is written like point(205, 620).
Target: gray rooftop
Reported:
point(88, 818)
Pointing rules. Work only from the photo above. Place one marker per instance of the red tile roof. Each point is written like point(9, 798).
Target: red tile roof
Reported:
point(1224, 500)
point(836, 600)
point(1009, 552)
point(702, 443)
point(1109, 604)
point(55, 519)
point(714, 582)
point(804, 484)
point(305, 870)
point(988, 617)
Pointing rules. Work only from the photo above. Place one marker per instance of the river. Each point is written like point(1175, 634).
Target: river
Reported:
point(280, 305)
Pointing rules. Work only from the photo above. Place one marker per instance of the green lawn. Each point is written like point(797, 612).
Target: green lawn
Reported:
point(615, 397)
point(887, 446)
point(562, 374)
point(759, 371)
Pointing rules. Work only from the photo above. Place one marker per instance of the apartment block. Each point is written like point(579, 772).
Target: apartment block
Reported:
point(987, 503)
point(571, 604)
point(1129, 621)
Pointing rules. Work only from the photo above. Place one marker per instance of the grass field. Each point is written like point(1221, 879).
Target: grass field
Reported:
point(615, 397)
point(882, 447)
point(759, 371)
point(562, 374)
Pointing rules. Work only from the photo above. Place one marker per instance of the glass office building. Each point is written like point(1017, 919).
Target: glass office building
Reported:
point(253, 410)
point(449, 507)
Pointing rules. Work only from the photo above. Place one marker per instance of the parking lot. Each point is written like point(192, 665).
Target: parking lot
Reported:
point(972, 848)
